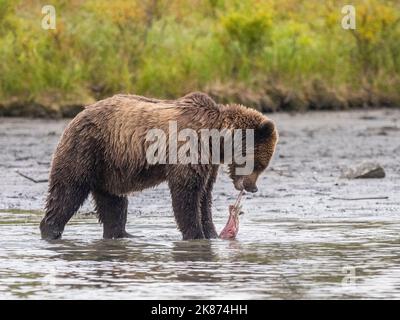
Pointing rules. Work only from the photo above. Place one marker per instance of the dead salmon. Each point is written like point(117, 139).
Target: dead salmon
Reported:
point(231, 228)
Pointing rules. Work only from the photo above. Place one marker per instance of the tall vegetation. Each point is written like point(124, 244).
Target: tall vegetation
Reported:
point(271, 54)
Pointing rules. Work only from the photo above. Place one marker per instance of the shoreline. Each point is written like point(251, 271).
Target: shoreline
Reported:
point(267, 101)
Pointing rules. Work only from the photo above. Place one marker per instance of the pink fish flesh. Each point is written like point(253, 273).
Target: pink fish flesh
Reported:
point(231, 228)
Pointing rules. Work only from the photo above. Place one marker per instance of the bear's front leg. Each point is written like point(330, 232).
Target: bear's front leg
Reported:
point(186, 185)
point(206, 200)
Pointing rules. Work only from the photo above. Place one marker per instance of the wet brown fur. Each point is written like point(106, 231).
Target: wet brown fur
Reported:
point(103, 151)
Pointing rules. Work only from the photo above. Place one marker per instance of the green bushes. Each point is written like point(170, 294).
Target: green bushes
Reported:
point(269, 54)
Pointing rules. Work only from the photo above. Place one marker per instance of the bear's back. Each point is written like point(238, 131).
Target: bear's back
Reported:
point(135, 112)
point(123, 121)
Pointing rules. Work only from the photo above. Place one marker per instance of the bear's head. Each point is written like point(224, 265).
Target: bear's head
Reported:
point(265, 140)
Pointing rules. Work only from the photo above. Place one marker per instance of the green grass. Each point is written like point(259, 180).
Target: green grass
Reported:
point(169, 48)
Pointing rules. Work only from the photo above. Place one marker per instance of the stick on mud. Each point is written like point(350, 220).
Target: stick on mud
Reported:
point(31, 179)
point(362, 198)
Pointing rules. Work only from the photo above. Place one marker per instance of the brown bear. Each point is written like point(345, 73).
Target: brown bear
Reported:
point(103, 152)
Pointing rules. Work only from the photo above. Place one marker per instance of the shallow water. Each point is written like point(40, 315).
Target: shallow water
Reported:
point(297, 239)
point(273, 258)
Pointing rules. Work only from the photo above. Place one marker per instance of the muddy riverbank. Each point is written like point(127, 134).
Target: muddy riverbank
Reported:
point(302, 235)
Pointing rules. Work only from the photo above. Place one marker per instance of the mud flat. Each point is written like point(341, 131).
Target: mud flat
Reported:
point(308, 233)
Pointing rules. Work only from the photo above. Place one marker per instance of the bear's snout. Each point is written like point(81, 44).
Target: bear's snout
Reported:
point(251, 189)
point(244, 183)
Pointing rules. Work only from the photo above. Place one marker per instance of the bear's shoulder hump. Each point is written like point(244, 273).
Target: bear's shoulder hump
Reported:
point(198, 99)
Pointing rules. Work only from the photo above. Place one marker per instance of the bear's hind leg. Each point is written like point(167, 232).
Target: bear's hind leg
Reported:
point(112, 211)
point(62, 202)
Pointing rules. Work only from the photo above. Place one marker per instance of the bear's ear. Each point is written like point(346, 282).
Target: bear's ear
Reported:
point(264, 130)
